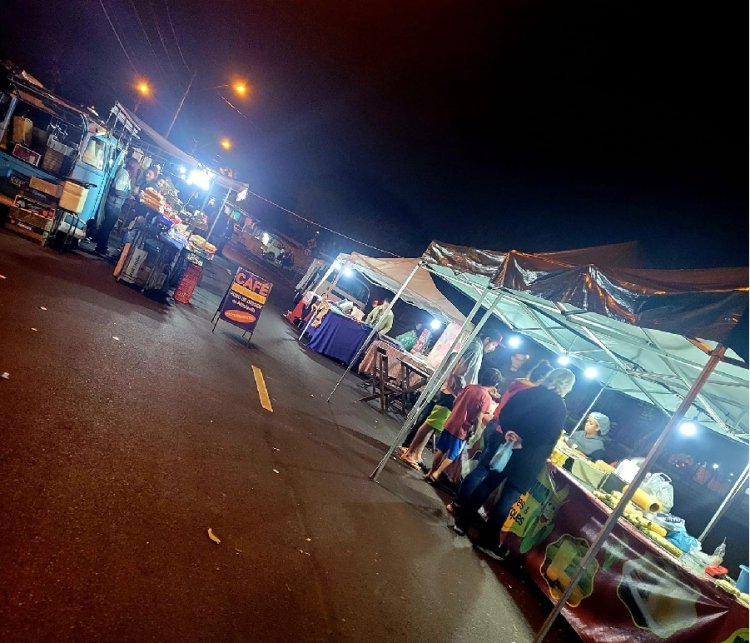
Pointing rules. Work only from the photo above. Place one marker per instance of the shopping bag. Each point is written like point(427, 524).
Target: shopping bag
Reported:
point(501, 457)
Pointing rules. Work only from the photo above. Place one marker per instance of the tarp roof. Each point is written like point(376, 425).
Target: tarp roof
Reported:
point(175, 152)
point(647, 332)
point(391, 273)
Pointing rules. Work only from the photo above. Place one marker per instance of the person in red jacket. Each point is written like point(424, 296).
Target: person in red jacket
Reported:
point(471, 407)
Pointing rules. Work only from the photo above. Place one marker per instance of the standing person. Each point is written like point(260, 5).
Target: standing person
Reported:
point(590, 442)
point(465, 372)
point(409, 338)
point(469, 493)
point(472, 408)
point(380, 318)
point(515, 365)
point(533, 419)
point(119, 191)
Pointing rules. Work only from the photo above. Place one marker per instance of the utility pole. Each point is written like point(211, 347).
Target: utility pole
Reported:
point(179, 107)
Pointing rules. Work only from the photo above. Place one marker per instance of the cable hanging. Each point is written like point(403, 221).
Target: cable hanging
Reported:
point(174, 35)
point(322, 227)
point(114, 31)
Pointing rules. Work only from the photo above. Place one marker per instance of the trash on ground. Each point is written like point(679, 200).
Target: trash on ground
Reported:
point(42, 308)
point(5, 376)
point(3, 277)
point(34, 329)
point(212, 536)
point(276, 449)
point(304, 552)
point(276, 471)
point(117, 339)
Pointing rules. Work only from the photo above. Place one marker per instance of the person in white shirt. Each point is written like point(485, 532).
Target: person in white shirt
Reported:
point(118, 193)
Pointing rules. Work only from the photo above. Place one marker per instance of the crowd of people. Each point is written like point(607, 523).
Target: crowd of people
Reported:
point(504, 417)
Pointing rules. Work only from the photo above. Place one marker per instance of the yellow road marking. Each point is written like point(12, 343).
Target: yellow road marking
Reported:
point(260, 384)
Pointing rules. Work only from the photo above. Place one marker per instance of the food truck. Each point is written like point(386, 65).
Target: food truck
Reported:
point(56, 159)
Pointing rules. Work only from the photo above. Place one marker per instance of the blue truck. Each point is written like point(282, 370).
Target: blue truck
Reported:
point(57, 160)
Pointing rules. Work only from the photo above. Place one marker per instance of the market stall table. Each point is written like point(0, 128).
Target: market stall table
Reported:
point(396, 356)
point(635, 591)
point(338, 336)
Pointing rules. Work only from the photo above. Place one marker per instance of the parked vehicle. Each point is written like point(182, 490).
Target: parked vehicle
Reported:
point(54, 156)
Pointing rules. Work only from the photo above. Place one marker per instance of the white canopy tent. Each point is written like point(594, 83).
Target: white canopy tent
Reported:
point(392, 273)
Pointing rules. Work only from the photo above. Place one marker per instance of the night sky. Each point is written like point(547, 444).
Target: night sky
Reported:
point(527, 125)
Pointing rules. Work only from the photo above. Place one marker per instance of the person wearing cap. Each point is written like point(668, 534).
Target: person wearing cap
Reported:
point(591, 442)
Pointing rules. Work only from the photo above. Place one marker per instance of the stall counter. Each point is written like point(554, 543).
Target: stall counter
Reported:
point(635, 590)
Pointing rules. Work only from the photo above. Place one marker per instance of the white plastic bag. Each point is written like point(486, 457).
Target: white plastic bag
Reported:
point(659, 485)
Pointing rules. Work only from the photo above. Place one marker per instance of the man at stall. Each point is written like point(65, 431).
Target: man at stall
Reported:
point(590, 441)
point(118, 193)
point(380, 318)
point(410, 337)
point(533, 420)
point(470, 412)
point(465, 372)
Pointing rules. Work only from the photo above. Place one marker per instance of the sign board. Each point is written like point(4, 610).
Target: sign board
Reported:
point(244, 300)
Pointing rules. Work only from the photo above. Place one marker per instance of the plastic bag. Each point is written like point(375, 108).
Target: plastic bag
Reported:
point(501, 457)
point(659, 485)
point(684, 541)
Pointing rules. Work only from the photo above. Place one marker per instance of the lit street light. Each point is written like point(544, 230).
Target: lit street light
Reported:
point(144, 91)
point(240, 88)
point(226, 143)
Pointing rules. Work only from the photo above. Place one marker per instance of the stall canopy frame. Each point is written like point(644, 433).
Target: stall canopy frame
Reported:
point(391, 274)
point(564, 320)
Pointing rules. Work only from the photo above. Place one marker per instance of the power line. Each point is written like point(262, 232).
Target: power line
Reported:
point(174, 35)
point(318, 225)
point(161, 38)
point(148, 40)
point(114, 31)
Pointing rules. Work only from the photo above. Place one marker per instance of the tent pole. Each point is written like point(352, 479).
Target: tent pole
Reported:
point(374, 330)
point(609, 524)
point(218, 214)
point(440, 375)
point(724, 506)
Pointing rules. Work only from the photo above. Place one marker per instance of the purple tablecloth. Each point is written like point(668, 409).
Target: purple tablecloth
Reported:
point(339, 337)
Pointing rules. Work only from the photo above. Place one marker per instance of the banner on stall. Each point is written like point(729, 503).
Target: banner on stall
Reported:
point(244, 300)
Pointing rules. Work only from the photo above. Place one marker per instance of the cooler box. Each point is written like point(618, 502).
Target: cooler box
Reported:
point(73, 197)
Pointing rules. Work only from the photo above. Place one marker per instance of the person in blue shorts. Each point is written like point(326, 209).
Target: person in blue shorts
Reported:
point(472, 406)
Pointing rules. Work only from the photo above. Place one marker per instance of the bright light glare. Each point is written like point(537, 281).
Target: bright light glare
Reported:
point(226, 143)
point(348, 272)
point(688, 428)
point(714, 466)
point(514, 341)
point(265, 238)
point(200, 179)
point(435, 324)
point(590, 372)
point(337, 265)
point(563, 360)
point(182, 169)
point(241, 196)
point(240, 88)
point(143, 88)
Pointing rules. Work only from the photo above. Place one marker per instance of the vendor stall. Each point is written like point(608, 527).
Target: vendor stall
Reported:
point(338, 336)
point(666, 337)
point(640, 586)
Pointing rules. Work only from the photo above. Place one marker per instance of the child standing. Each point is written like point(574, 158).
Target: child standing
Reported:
point(471, 407)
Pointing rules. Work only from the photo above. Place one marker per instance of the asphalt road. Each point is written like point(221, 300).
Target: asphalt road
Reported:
point(129, 429)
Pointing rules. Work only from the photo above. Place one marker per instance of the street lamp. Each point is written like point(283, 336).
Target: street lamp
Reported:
point(240, 88)
point(144, 91)
point(226, 143)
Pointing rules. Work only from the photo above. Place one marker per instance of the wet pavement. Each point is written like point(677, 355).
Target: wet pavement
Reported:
point(129, 429)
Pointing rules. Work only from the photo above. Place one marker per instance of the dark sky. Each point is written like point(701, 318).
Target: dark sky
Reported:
point(527, 125)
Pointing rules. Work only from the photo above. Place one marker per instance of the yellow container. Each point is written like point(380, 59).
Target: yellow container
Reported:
point(645, 500)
